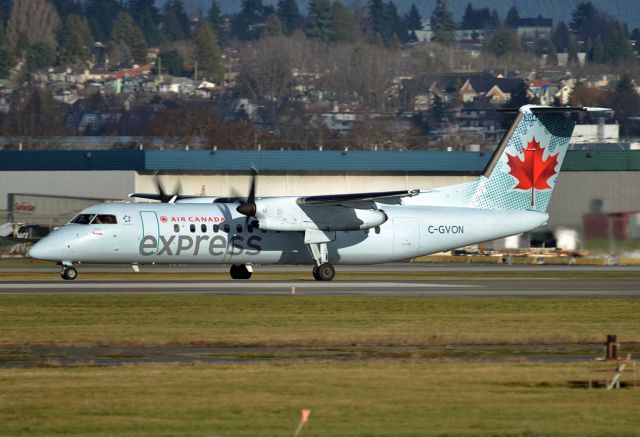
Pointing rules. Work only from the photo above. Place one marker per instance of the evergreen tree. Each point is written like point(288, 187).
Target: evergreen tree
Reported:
point(289, 15)
point(635, 37)
point(494, 20)
point(513, 17)
point(273, 27)
point(573, 51)
point(74, 40)
point(67, 7)
point(319, 20)
point(468, 18)
point(40, 55)
point(503, 41)
point(562, 37)
point(520, 96)
point(442, 23)
point(552, 54)
point(7, 61)
point(597, 53)
point(170, 62)
point(619, 48)
point(394, 25)
point(625, 84)
point(147, 17)
point(176, 21)
point(218, 23)
point(245, 24)
point(22, 45)
point(584, 19)
point(412, 19)
point(101, 14)
point(343, 27)
point(207, 53)
point(128, 38)
point(377, 18)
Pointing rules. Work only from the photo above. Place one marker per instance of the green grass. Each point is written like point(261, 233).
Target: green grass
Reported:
point(379, 398)
point(306, 320)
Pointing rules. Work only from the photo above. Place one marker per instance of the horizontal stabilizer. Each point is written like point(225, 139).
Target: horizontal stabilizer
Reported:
point(540, 109)
point(388, 197)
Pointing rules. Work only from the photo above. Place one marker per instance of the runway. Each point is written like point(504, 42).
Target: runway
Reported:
point(477, 288)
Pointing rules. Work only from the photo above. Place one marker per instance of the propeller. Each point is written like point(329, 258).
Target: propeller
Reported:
point(248, 206)
point(164, 196)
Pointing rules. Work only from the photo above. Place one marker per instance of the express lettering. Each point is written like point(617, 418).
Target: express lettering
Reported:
point(187, 245)
point(445, 229)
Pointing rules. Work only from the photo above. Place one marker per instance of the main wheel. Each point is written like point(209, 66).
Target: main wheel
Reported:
point(69, 273)
point(315, 273)
point(324, 272)
point(239, 271)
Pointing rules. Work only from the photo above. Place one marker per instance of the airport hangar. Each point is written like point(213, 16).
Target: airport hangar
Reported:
point(605, 180)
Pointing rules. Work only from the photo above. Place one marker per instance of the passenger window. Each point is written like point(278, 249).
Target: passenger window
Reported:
point(192, 228)
point(250, 229)
point(227, 228)
point(83, 219)
point(239, 229)
point(203, 228)
point(264, 231)
point(104, 219)
point(216, 228)
point(176, 228)
point(377, 229)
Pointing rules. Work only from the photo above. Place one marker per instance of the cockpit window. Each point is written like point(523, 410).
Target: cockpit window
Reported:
point(83, 219)
point(105, 219)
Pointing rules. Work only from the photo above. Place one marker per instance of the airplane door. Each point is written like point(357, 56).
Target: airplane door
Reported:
point(406, 235)
point(150, 226)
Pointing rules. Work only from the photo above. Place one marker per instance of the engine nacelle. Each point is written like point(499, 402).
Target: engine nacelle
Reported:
point(284, 214)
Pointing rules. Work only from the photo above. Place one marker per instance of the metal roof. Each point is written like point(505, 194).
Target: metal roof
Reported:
point(294, 161)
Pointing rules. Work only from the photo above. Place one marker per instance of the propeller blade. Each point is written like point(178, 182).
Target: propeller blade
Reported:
point(248, 207)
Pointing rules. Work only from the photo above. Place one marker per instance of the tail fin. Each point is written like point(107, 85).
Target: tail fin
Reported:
point(524, 169)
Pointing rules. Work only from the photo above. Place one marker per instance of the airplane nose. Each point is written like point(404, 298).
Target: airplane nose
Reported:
point(44, 250)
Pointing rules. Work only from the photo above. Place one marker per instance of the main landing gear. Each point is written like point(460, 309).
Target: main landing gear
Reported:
point(68, 273)
point(323, 270)
point(240, 271)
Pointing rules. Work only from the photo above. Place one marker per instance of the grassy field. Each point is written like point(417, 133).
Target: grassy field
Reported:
point(305, 320)
point(354, 397)
point(380, 398)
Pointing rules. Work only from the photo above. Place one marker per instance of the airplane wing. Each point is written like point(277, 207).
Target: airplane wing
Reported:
point(357, 200)
point(165, 198)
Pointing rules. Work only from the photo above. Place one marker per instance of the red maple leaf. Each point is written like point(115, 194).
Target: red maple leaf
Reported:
point(533, 172)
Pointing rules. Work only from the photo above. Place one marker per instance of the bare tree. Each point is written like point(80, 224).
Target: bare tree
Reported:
point(35, 20)
point(34, 113)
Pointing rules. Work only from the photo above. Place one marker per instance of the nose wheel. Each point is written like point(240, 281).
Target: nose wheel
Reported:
point(324, 272)
point(68, 273)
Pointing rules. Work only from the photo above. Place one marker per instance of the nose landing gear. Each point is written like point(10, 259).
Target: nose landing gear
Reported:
point(68, 273)
point(324, 272)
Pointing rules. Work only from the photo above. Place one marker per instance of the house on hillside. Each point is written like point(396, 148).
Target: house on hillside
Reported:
point(497, 90)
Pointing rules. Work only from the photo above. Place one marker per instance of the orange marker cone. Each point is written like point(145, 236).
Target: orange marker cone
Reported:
point(303, 421)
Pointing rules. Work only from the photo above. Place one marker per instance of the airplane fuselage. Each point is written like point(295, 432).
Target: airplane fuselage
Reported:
point(161, 233)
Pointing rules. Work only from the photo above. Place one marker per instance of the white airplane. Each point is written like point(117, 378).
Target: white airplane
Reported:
point(510, 197)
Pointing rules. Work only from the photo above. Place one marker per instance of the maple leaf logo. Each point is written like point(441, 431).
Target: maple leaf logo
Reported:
point(533, 172)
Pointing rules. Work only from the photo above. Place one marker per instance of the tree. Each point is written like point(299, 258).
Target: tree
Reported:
point(552, 54)
point(513, 18)
point(394, 25)
point(573, 51)
point(34, 114)
point(343, 27)
point(319, 20)
point(170, 62)
point(67, 7)
point(147, 17)
point(37, 20)
point(377, 18)
point(597, 53)
point(245, 24)
point(73, 41)
point(520, 96)
point(584, 19)
point(176, 21)
point(207, 53)
point(619, 48)
point(272, 27)
point(562, 37)
point(503, 41)
point(127, 41)
point(412, 19)
point(442, 24)
point(40, 55)
point(289, 15)
point(218, 23)
point(7, 62)
point(101, 14)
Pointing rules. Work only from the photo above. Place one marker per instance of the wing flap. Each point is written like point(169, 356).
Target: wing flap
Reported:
point(357, 200)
